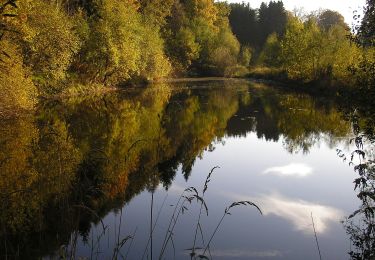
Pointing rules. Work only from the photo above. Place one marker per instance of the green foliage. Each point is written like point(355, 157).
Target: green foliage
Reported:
point(121, 47)
point(76, 42)
point(305, 48)
point(340, 53)
point(293, 46)
point(225, 55)
point(245, 56)
point(156, 11)
point(200, 38)
point(270, 55)
point(183, 49)
point(55, 45)
point(310, 53)
point(366, 29)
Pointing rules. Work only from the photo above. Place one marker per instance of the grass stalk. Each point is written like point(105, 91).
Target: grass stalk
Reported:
point(316, 237)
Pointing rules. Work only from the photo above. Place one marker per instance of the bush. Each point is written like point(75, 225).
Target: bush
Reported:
point(237, 71)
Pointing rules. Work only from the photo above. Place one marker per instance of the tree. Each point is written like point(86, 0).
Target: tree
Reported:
point(309, 53)
point(270, 55)
point(272, 19)
point(366, 31)
point(49, 42)
point(119, 47)
point(243, 21)
point(245, 56)
point(156, 11)
point(196, 33)
point(329, 18)
point(17, 90)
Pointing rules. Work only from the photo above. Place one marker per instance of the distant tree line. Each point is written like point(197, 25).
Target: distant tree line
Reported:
point(305, 47)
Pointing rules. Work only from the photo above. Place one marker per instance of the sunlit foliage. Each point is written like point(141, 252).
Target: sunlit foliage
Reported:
point(200, 39)
point(57, 44)
point(310, 53)
point(49, 42)
point(17, 89)
point(121, 47)
point(270, 55)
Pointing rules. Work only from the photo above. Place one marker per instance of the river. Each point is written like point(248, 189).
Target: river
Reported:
point(90, 177)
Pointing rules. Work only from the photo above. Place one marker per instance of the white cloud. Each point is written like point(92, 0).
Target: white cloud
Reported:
point(290, 170)
point(297, 212)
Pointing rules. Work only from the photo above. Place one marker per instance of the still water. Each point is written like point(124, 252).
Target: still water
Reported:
point(90, 177)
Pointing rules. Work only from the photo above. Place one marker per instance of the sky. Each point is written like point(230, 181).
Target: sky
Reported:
point(345, 7)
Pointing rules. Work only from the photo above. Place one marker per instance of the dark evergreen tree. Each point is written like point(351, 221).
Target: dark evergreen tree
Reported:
point(243, 20)
point(272, 19)
point(252, 27)
point(367, 28)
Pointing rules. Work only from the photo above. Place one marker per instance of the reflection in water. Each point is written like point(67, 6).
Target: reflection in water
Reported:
point(293, 169)
point(299, 119)
point(78, 160)
point(230, 254)
point(360, 225)
point(297, 212)
point(75, 161)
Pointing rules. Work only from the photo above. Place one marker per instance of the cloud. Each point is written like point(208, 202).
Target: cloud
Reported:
point(290, 170)
point(297, 212)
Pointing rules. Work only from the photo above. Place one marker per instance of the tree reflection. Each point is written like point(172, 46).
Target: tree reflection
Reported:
point(301, 120)
point(79, 159)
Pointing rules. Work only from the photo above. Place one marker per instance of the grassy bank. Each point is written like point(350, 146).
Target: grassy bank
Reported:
point(277, 76)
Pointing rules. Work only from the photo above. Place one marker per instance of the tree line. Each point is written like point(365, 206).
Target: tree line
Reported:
point(299, 46)
point(49, 47)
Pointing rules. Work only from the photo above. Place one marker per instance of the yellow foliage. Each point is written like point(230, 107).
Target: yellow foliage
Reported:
point(16, 87)
point(49, 41)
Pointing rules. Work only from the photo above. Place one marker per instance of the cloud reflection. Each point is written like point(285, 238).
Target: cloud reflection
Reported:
point(297, 212)
point(293, 169)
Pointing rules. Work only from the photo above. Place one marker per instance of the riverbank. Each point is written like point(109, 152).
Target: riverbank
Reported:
point(275, 76)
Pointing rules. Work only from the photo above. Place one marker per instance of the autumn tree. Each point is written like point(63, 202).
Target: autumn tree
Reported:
point(329, 18)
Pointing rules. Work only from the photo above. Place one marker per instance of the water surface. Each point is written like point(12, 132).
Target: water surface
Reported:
point(81, 175)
